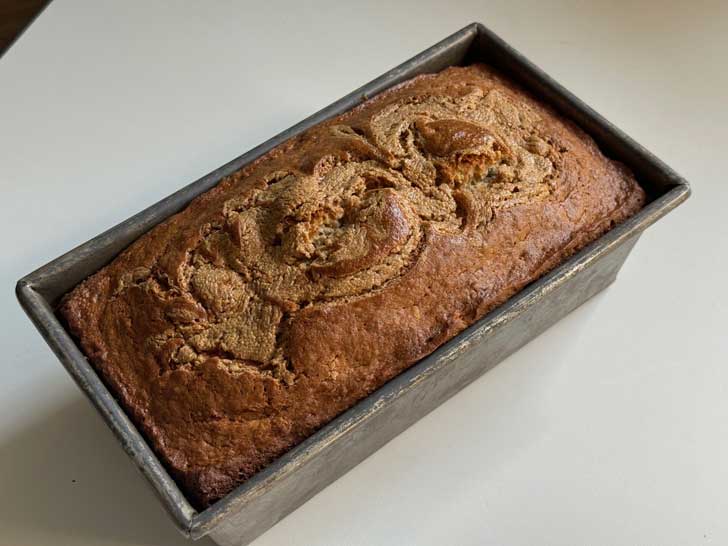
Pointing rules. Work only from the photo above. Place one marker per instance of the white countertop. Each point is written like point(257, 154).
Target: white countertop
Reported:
point(609, 429)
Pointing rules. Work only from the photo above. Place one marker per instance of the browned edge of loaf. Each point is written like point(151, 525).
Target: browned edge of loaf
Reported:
point(306, 280)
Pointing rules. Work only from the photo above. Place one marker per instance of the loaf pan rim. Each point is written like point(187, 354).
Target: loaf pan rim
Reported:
point(33, 289)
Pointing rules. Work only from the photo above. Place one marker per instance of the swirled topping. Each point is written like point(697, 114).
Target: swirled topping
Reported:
point(345, 221)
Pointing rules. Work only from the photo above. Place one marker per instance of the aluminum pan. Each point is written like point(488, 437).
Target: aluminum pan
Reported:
point(39, 291)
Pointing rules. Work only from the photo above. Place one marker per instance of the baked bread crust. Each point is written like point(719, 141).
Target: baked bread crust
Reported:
point(306, 280)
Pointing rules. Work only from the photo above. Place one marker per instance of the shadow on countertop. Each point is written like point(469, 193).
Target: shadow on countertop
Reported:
point(65, 480)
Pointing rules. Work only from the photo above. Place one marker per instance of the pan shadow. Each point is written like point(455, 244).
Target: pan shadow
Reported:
point(65, 480)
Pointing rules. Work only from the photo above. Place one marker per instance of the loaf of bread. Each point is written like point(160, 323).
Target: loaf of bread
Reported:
point(308, 279)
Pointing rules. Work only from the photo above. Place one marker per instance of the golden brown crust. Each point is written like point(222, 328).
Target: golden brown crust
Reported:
point(308, 279)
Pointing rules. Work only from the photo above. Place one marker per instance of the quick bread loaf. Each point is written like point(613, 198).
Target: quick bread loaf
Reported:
point(306, 280)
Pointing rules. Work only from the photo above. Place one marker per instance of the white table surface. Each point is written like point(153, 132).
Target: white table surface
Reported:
point(609, 429)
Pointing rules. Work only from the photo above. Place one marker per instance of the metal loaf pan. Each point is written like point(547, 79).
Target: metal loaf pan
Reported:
point(269, 496)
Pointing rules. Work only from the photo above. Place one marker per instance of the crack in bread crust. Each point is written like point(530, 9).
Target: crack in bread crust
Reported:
point(309, 278)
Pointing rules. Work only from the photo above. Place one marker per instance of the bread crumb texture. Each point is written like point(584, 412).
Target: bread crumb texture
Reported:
point(308, 279)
